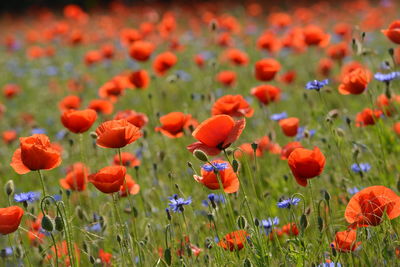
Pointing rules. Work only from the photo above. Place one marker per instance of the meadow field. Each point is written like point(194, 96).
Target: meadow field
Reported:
point(201, 134)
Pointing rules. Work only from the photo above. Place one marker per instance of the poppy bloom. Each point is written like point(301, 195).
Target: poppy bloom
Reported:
point(306, 164)
point(232, 105)
point(10, 218)
point(136, 118)
point(173, 124)
point(140, 79)
point(314, 35)
point(131, 187)
point(270, 42)
point(107, 51)
point(199, 60)
point(111, 90)
point(325, 66)
point(216, 134)
point(93, 57)
point(116, 134)
point(346, 241)
point(355, 82)
point(227, 77)
point(290, 229)
point(35, 153)
point(234, 241)
point(396, 128)
point(63, 253)
point(289, 126)
point(141, 50)
point(128, 160)
point(266, 69)
point(266, 93)
point(367, 207)
point(367, 117)
point(163, 62)
point(288, 149)
point(11, 90)
point(101, 106)
point(76, 178)
point(105, 257)
point(393, 32)
point(227, 176)
point(78, 121)
point(237, 57)
point(288, 77)
point(338, 51)
point(109, 179)
point(69, 102)
point(387, 105)
point(9, 136)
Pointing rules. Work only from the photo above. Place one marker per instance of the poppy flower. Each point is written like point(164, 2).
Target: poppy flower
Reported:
point(266, 69)
point(355, 82)
point(343, 29)
point(78, 121)
point(288, 77)
point(128, 160)
point(163, 62)
point(107, 51)
point(237, 57)
point(396, 128)
point(199, 60)
point(266, 93)
point(63, 253)
point(288, 149)
point(101, 106)
point(111, 90)
point(69, 102)
point(105, 257)
point(393, 32)
point(9, 136)
point(325, 66)
point(92, 57)
point(346, 241)
point(136, 118)
point(109, 179)
point(338, 51)
point(388, 106)
point(263, 144)
point(367, 117)
point(11, 90)
point(133, 187)
point(216, 134)
point(367, 207)
point(129, 36)
point(35, 153)
point(141, 50)
point(232, 105)
point(314, 35)
point(140, 79)
point(226, 77)
point(10, 218)
point(116, 134)
point(227, 176)
point(289, 126)
point(234, 241)
point(280, 19)
point(290, 229)
point(173, 124)
point(76, 177)
point(306, 164)
point(269, 42)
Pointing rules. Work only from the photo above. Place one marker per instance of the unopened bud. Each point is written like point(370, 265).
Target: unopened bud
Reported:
point(200, 155)
point(93, 135)
point(213, 25)
point(9, 188)
point(47, 224)
point(59, 223)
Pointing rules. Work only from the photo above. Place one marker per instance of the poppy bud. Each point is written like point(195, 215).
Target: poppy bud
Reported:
point(119, 238)
point(256, 222)
point(47, 224)
point(213, 25)
point(303, 222)
point(235, 165)
point(254, 146)
point(241, 222)
point(92, 260)
point(333, 114)
point(168, 214)
point(391, 51)
point(59, 223)
point(93, 135)
point(340, 132)
point(200, 155)
point(9, 187)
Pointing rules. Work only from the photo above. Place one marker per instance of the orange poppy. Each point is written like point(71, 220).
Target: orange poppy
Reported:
point(279, 19)
point(306, 164)
point(69, 102)
point(140, 79)
point(92, 57)
point(266, 69)
point(141, 50)
point(111, 90)
point(129, 36)
point(314, 35)
point(11, 90)
point(163, 62)
point(396, 128)
point(290, 229)
point(78, 121)
point(10, 218)
point(234, 241)
point(355, 82)
point(393, 32)
point(105, 257)
point(136, 118)
point(367, 207)
point(237, 57)
point(346, 241)
point(116, 134)
point(288, 77)
point(266, 93)
point(288, 149)
point(232, 105)
point(101, 106)
point(338, 51)
point(109, 179)
point(388, 106)
point(289, 126)
point(325, 66)
point(133, 187)
point(76, 177)
point(128, 160)
point(270, 42)
point(199, 60)
point(35, 153)
point(216, 134)
point(223, 169)
point(226, 77)
point(107, 51)
point(9, 136)
point(62, 252)
point(367, 117)
point(173, 124)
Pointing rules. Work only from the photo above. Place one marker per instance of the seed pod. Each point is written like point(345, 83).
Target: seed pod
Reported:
point(303, 222)
point(92, 260)
point(9, 188)
point(59, 223)
point(241, 222)
point(167, 256)
point(320, 224)
point(47, 224)
point(235, 165)
point(200, 155)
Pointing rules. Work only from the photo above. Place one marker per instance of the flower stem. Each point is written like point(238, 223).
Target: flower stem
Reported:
point(42, 183)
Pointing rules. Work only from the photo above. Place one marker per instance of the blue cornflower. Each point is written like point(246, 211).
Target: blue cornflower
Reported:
point(362, 167)
point(216, 198)
point(177, 203)
point(316, 85)
point(301, 133)
point(38, 131)
point(183, 75)
point(278, 116)
point(61, 134)
point(57, 197)
point(330, 264)
point(28, 197)
point(96, 227)
point(7, 251)
point(387, 77)
point(287, 203)
point(352, 190)
point(217, 165)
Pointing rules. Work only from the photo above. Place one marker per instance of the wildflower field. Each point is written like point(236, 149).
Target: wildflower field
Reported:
point(201, 134)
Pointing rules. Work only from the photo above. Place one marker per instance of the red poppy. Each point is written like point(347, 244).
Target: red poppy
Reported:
point(216, 134)
point(266, 69)
point(280, 19)
point(232, 105)
point(288, 77)
point(270, 42)
point(109, 179)
point(355, 82)
point(173, 124)
point(263, 144)
point(111, 90)
point(133, 187)
point(233, 241)
point(140, 79)
point(388, 106)
point(62, 252)
point(69, 102)
point(11, 90)
point(10, 218)
point(78, 121)
point(266, 93)
point(325, 66)
point(237, 57)
point(101, 106)
point(136, 118)
point(128, 160)
point(367, 207)
point(314, 35)
point(199, 60)
point(76, 177)
point(393, 32)
point(367, 117)
point(129, 36)
point(343, 30)
point(346, 241)
point(226, 77)
point(105, 257)
point(288, 149)
point(290, 229)
point(306, 164)
point(163, 62)
point(338, 51)
point(35, 153)
point(141, 50)
point(289, 126)
point(227, 176)
point(9, 136)
point(107, 51)
point(396, 128)
point(116, 134)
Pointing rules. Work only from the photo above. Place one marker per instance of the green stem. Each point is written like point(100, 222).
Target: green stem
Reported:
point(42, 183)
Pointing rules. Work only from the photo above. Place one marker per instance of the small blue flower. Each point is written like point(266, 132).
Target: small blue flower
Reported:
point(61, 134)
point(362, 167)
point(316, 85)
point(301, 133)
point(177, 203)
point(38, 131)
point(57, 197)
point(278, 116)
point(287, 203)
point(387, 77)
point(96, 227)
point(352, 190)
point(268, 224)
point(216, 198)
point(220, 166)
point(28, 197)
point(330, 264)
point(183, 75)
